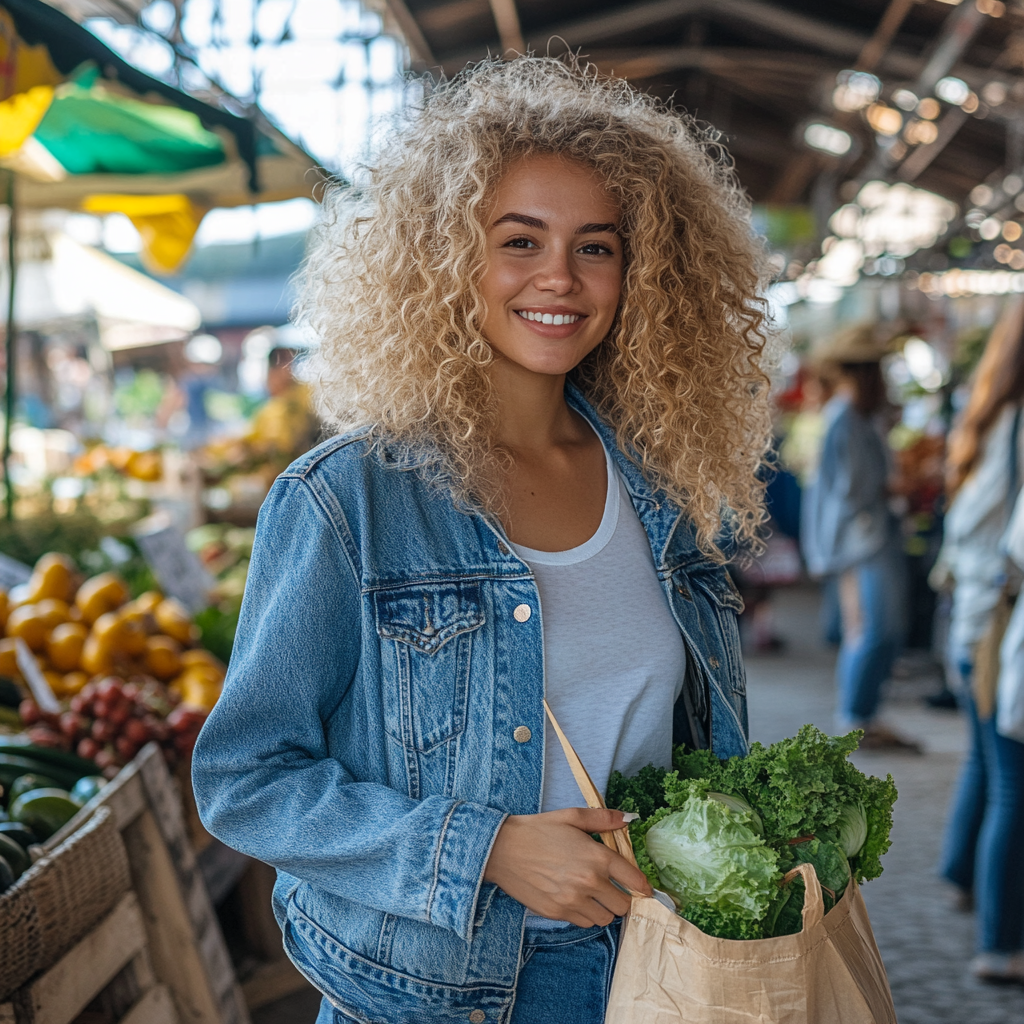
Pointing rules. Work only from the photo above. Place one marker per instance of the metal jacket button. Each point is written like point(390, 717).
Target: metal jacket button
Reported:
point(522, 734)
point(522, 612)
point(713, 661)
point(478, 1016)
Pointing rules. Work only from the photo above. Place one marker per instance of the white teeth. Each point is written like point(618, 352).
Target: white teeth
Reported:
point(549, 318)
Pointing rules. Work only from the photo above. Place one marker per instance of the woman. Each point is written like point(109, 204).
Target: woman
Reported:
point(851, 539)
point(981, 855)
point(547, 318)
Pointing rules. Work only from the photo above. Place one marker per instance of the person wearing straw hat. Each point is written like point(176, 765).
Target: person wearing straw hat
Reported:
point(850, 536)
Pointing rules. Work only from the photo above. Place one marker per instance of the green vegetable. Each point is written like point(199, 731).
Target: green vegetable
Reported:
point(21, 834)
point(44, 810)
point(29, 781)
point(800, 787)
point(711, 858)
point(853, 829)
point(6, 875)
point(12, 852)
point(86, 788)
point(799, 800)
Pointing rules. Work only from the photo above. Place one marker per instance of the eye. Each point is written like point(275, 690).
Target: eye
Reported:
point(520, 243)
point(595, 249)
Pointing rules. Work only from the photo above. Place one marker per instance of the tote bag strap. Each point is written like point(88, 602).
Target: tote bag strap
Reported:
point(619, 839)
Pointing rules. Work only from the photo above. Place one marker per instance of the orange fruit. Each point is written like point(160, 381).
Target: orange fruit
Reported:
point(53, 576)
point(96, 656)
point(200, 657)
point(53, 611)
point(133, 632)
point(148, 466)
point(73, 682)
point(101, 594)
point(9, 659)
point(174, 620)
point(27, 623)
point(163, 657)
point(64, 647)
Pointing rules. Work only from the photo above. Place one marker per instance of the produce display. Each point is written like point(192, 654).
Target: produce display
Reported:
point(124, 671)
point(41, 789)
point(719, 836)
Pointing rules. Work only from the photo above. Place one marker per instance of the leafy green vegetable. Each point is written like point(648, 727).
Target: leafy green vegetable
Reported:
point(799, 800)
point(853, 829)
point(800, 787)
point(712, 860)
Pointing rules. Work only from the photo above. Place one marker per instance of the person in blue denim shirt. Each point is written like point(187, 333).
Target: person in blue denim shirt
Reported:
point(541, 337)
point(852, 540)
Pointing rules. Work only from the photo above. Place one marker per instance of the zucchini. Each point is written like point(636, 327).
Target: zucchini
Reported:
point(14, 855)
point(13, 766)
point(21, 834)
point(44, 810)
point(22, 747)
point(6, 875)
point(10, 694)
point(29, 781)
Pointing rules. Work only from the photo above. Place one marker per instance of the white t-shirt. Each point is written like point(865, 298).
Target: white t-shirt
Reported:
point(614, 659)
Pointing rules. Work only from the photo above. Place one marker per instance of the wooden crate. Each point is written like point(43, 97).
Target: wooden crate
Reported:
point(185, 947)
point(113, 956)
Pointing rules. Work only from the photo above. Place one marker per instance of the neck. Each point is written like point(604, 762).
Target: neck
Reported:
point(532, 411)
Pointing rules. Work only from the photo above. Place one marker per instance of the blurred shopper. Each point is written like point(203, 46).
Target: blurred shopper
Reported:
point(285, 424)
point(546, 326)
point(850, 537)
point(984, 841)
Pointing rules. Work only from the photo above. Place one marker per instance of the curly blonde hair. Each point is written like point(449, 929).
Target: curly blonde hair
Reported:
point(391, 289)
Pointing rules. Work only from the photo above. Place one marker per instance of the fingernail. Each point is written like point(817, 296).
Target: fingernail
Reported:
point(628, 816)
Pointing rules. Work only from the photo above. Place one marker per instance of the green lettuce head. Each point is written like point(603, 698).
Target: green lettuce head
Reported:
point(711, 858)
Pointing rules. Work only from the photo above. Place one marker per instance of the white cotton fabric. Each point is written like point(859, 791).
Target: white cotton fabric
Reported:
point(614, 659)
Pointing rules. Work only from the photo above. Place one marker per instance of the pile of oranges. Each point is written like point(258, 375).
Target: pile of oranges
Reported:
point(78, 631)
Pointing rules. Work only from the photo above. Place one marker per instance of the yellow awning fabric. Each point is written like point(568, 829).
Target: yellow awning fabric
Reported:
point(20, 115)
point(167, 224)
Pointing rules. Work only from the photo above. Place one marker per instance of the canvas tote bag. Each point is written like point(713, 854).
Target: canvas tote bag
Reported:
point(669, 972)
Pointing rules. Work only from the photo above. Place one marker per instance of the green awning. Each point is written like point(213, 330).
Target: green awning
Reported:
point(91, 130)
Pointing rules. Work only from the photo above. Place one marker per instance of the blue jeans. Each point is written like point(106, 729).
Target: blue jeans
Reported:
point(871, 599)
point(565, 976)
point(985, 833)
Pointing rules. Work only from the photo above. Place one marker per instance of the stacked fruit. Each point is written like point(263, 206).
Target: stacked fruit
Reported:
point(90, 630)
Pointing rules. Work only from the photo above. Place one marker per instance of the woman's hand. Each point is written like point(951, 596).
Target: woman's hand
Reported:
point(550, 864)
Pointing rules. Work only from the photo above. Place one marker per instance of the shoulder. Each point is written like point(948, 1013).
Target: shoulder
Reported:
point(336, 456)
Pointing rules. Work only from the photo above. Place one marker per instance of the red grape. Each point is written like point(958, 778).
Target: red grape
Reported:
point(71, 724)
point(88, 748)
point(29, 712)
point(103, 731)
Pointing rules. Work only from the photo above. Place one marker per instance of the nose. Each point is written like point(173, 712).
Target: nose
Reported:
point(557, 273)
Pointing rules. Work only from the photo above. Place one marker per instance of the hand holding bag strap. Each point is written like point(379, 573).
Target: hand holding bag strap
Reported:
point(619, 839)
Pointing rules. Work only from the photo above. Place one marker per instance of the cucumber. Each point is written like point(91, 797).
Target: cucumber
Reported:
point(14, 855)
point(21, 834)
point(10, 693)
point(21, 746)
point(6, 875)
point(86, 788)
point(13, 766)
point(44, 810)
point(29, 781)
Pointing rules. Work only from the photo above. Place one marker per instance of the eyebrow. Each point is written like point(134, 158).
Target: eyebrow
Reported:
point(536, 222)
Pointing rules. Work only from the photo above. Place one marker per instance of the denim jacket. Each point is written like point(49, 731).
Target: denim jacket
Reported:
point(369, 743)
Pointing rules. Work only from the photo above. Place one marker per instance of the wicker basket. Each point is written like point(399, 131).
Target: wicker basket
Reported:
point(60, 898)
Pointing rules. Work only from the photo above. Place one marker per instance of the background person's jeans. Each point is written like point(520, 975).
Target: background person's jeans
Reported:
point(871, 598)
point(985, 832)
point(564, 978)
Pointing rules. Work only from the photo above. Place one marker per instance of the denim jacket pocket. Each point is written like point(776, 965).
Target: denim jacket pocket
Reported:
point(426, 633)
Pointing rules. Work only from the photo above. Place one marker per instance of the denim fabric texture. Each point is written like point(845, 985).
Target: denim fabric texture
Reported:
point(867, 653)
point(985, 832)
point(844, 514)
point(368, 744)
point(565, 977)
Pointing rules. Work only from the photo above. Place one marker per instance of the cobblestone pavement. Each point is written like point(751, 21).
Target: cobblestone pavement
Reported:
point(925, 943)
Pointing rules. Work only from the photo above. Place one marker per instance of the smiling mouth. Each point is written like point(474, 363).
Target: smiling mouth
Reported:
point(549, 318)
